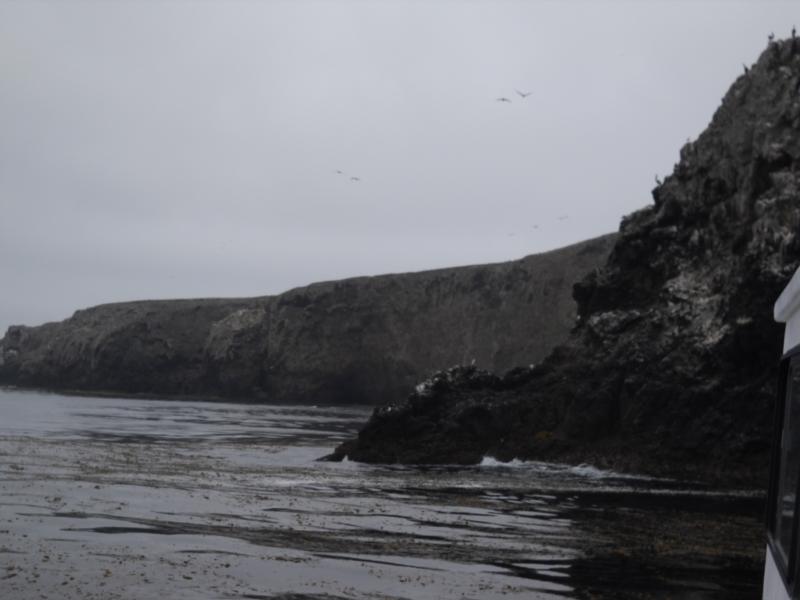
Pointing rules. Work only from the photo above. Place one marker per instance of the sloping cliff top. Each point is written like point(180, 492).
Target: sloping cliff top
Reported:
point(361, 340)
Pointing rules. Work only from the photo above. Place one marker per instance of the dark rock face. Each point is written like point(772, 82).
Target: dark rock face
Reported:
point(672, 368)
point(364, 340)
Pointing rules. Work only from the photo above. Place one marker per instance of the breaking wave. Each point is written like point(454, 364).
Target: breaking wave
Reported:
point(583, 470)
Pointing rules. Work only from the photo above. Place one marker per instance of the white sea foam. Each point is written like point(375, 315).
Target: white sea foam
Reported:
point(490, 461)
point(583, 470)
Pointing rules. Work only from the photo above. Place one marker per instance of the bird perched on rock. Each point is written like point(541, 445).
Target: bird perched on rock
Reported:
point(658, 180)
point(503, 99)
point(771, 37)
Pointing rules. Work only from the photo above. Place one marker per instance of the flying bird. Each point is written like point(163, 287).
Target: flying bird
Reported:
point(355, 179)
point(563, 217)
point(503, 99)
point(338, 172)
point(523, 95)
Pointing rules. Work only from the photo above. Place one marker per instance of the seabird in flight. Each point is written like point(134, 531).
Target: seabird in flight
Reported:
point(503, 99)
point(355, 179)
point(523, 95)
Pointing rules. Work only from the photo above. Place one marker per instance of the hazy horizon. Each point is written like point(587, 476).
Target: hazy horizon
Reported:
point(177, 150)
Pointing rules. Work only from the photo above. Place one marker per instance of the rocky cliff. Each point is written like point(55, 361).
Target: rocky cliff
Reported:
point(364, 340)
point(672, 367)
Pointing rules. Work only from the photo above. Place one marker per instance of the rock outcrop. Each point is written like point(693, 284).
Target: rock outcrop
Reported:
point(672, 367)
point(364, 340)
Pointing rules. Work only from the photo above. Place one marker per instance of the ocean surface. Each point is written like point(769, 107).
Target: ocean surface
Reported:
point(130, 498)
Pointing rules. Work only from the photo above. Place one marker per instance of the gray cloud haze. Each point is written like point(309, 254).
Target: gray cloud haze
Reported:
point(181, 149)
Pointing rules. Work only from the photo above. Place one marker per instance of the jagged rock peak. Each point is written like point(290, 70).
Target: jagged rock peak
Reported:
point(672, 366)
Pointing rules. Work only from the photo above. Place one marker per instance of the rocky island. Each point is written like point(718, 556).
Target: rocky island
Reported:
point(366, 340)
point(672, 367)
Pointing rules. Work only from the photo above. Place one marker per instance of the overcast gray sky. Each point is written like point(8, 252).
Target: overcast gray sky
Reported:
point(181, 149)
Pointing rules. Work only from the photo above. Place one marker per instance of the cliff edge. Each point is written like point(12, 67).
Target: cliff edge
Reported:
point(364, 340)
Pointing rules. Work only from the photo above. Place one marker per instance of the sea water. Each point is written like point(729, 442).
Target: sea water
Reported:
point(132, 498)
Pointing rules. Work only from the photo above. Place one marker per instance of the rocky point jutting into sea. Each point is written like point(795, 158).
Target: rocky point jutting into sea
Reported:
point(357, 341)
point(672, 366)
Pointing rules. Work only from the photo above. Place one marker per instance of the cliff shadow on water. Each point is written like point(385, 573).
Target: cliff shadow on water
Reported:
point(673, 364)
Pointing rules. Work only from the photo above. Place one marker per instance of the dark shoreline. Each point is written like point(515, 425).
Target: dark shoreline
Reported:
point(164, 397)
point(591, 456)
